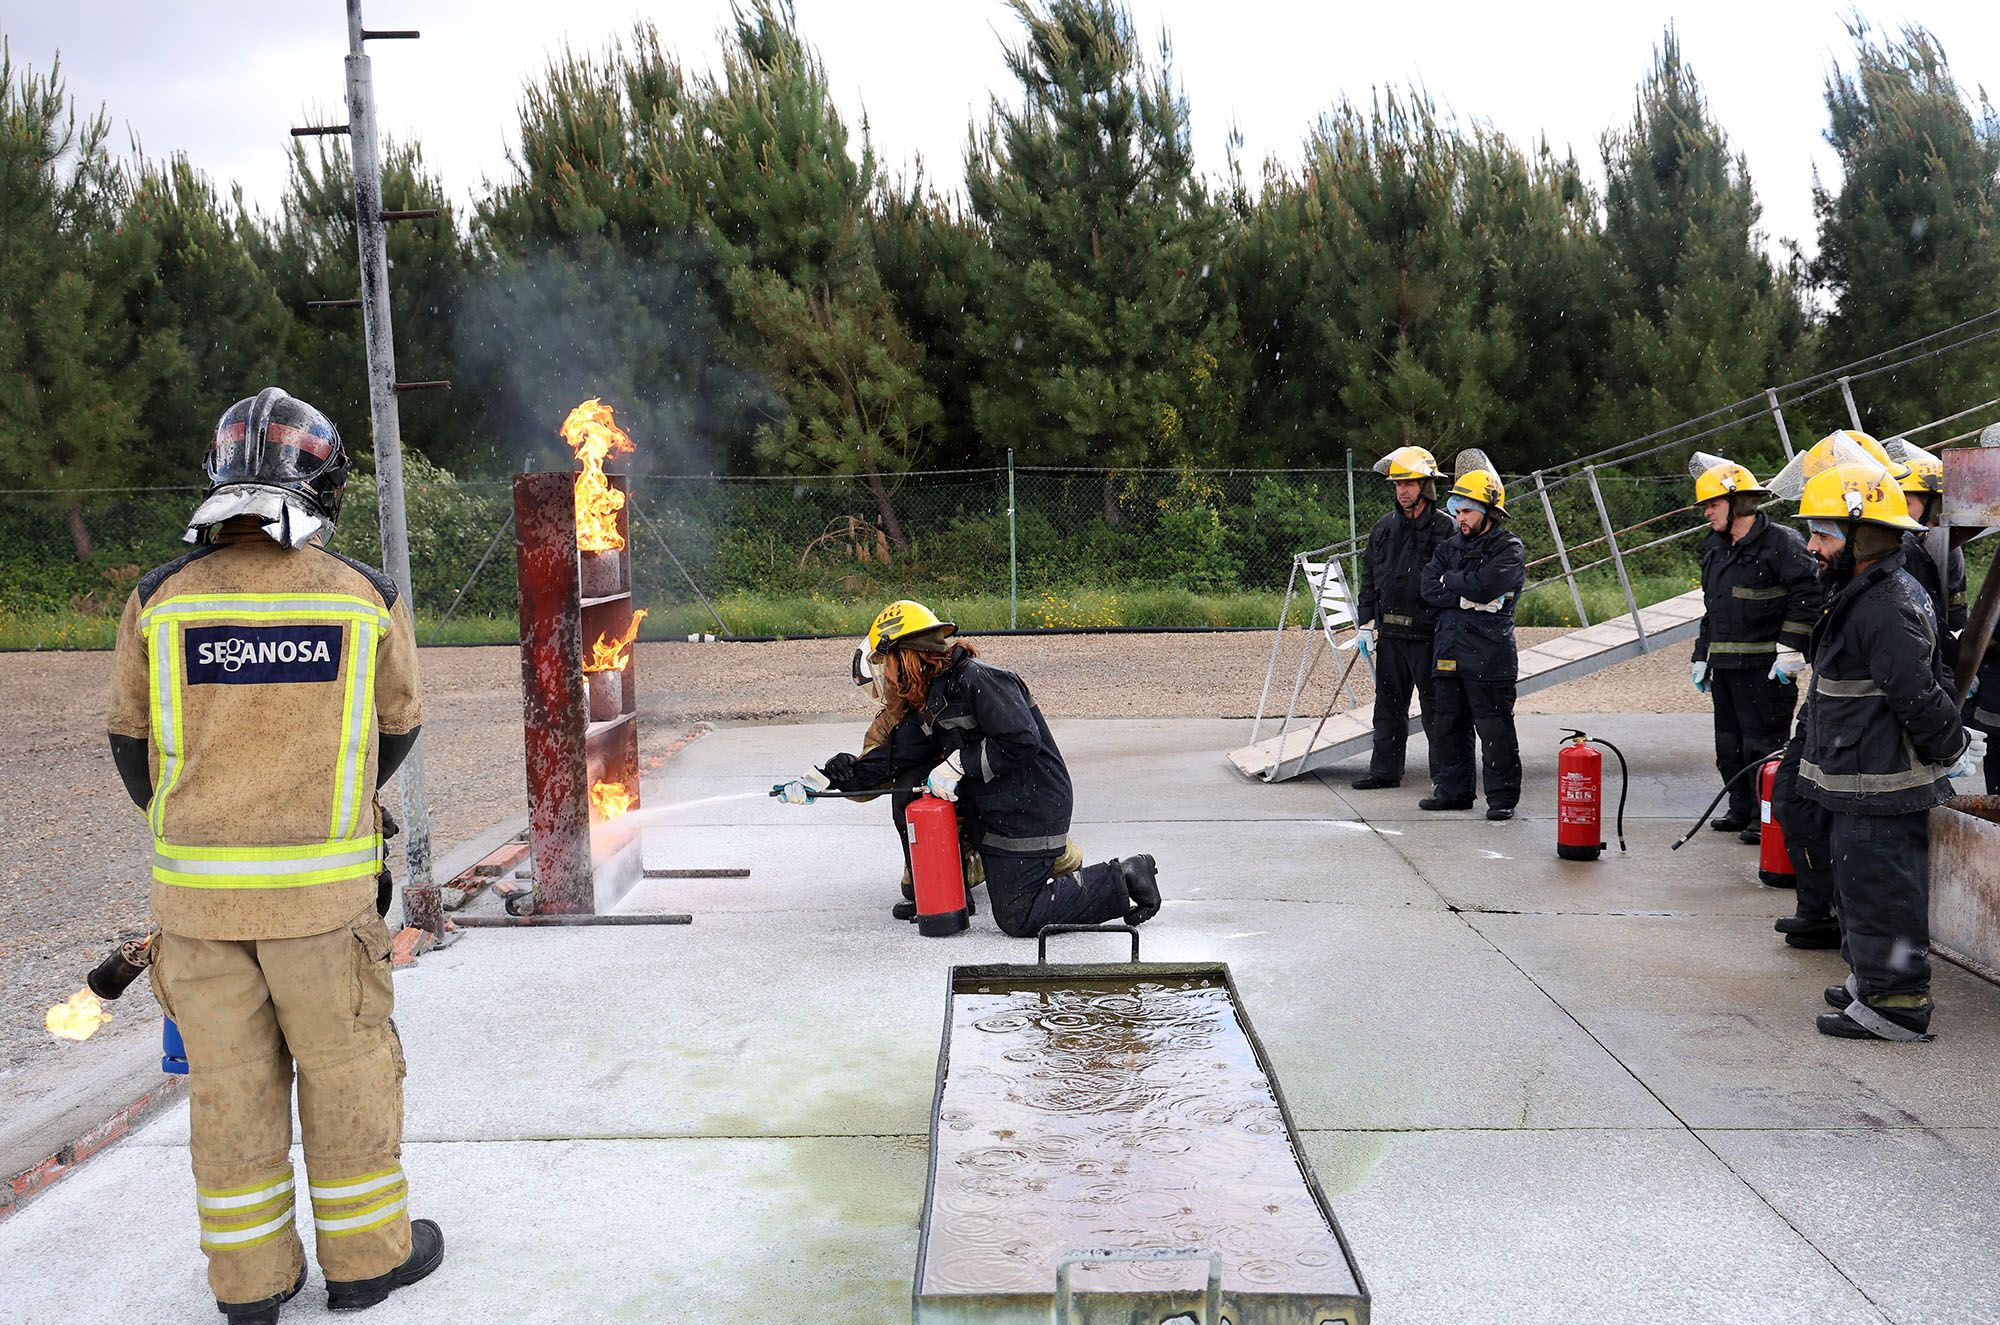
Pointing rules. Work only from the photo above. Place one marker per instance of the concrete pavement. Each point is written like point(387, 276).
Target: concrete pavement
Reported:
point(1534, 1091)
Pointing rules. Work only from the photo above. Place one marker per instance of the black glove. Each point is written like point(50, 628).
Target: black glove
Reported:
point(389, 825)
point(839, 771)
point(384, 889)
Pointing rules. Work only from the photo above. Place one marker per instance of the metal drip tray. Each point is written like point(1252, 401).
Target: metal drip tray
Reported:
point(1108, 1144)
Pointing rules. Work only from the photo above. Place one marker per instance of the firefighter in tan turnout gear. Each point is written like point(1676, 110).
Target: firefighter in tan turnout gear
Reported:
point(262, 687)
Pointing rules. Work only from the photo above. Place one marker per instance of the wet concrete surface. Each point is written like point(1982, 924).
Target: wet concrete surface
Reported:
point(1586, 1094)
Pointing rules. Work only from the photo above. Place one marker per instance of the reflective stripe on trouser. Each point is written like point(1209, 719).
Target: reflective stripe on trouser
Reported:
point(249, 1012)
point(1807, 826)
point(1881, 869)
point(1024, 898)
point(1487, 707)
point(1752, 715)
point(1401, 667)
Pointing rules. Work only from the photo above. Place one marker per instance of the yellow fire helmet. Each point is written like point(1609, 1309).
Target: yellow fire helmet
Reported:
point(908, 624)
point(1477, 480)
point(1407, 462)
point(1716, 477)
point(1837, 448)
point(1924, 471)
point(1859, 492)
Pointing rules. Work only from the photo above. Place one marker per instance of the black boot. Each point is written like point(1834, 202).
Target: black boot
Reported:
point(426, 1251)
point(1440, 803)
point(1752, 836)
point(1374, 782)
point(1809, 931)
point(1142, 886)
point(264, 1311)
point(1499, 813)
point(1731, 822)
point(904, 911)
point(1865, 1021)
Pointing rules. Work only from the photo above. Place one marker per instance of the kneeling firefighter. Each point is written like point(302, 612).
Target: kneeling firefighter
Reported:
point(1001, 765)
point(262, 688)
point(897, 754)
point(1881, 738)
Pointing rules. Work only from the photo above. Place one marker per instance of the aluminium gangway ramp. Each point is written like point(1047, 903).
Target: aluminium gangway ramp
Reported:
point(1565, 658)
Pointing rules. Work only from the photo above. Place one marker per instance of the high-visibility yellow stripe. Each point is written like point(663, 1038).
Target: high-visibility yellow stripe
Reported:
point(306, 852)
point(373, 1217)
point(203, 606)
point(353, 1187)
point(267, 867)
point(241, 1198)
point(357, 718)
point(236, 1217)
point(239, 1238)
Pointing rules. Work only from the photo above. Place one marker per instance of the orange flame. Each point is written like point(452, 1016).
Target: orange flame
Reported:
point(608, 800)
point(609, 654)
point(590, 433)
point(77, 1017)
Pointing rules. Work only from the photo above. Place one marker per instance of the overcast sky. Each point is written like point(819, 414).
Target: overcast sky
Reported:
point(224, 79)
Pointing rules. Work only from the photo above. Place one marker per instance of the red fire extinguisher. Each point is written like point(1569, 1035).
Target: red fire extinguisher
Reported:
point(1774, 862)
point(1580, 797)
point(936, 869)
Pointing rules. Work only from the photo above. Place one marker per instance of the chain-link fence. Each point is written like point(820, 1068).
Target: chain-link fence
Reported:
point(1034, 548)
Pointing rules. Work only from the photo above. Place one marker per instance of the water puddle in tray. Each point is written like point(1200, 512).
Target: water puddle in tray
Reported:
point(1116, 1113)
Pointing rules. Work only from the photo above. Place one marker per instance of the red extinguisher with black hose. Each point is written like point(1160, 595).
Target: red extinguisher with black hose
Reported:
point(937, 870)
point(1774, 862)
point(1580, 796)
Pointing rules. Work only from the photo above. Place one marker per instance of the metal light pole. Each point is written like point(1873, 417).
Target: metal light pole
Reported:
point(420, 895)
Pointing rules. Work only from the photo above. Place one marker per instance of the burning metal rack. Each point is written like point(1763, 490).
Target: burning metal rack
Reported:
point(582, 725)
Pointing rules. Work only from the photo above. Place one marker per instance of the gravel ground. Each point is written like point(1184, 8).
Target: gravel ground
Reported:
point(74, 853)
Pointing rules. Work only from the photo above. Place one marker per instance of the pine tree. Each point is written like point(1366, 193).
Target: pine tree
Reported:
point(309, 252)
point(207, 291)
point(77, 369)
point(1106, 334)
point(1907, 242)
point(933, 260)
point(783, 209)
point(593, 280)
point(1701, 318)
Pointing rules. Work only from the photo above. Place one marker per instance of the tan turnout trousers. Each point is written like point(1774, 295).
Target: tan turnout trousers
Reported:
point(249, 1010)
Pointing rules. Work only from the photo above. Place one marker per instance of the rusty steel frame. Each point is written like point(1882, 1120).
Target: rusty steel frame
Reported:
point(566, 751)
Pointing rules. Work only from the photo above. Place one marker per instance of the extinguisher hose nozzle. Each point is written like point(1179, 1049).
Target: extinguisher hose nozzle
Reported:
point(1710, 811)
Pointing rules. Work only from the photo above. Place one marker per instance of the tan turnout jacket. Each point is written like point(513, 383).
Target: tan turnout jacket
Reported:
point(263, 680)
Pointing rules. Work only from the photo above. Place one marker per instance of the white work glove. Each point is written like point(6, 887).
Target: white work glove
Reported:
point(1496, 605)
point(800, 791)
point(1788, 666)
point(1364, 638)
point(1699, 674)
point(1975, 750)
point(943, 781)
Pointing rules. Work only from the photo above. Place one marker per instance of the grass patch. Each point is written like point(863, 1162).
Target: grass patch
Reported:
point(57, 628)
point(1551, 605)
point(784, 615)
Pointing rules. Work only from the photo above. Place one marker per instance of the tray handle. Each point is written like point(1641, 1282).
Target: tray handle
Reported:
point(1211, 1300)
point(1042, 938)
